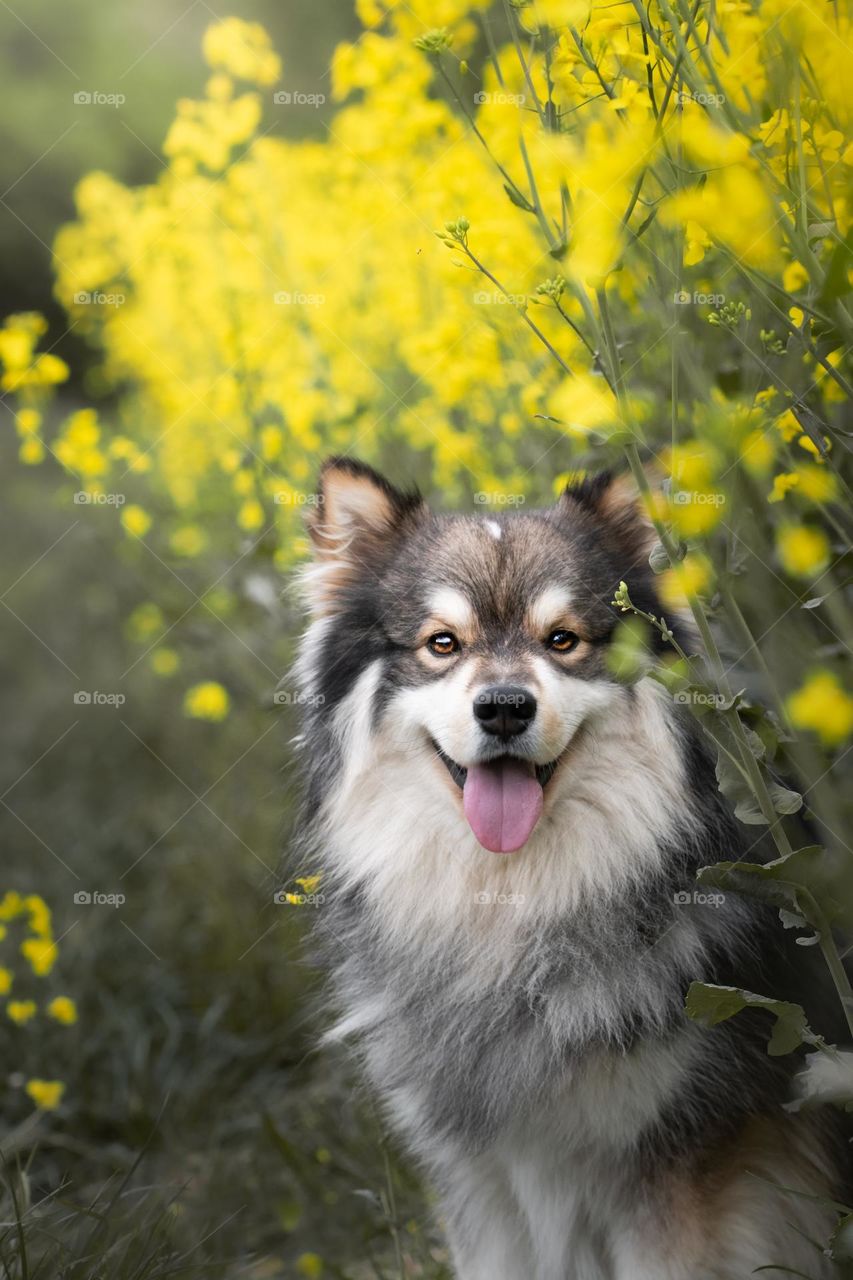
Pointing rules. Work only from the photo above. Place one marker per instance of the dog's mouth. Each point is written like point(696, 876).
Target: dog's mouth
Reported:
point(502, 798)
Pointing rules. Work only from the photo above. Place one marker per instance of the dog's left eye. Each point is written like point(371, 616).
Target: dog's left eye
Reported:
point(443, 643)
point(562, 641)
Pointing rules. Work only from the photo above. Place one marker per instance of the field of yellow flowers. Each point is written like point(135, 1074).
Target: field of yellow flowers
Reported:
point(540, 238)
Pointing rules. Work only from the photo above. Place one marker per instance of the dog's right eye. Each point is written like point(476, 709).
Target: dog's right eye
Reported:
point(443, 644)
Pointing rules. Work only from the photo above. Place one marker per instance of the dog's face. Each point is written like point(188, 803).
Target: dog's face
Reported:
point(486, 636)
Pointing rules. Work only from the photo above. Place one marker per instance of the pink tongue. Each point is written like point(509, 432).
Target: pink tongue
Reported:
point(503, 803)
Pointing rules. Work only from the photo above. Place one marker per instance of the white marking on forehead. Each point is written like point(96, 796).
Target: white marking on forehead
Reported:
point(549, 607)
point(452, 607)
point(494, 529)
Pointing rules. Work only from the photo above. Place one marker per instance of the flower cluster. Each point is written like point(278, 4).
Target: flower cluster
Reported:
point(26, 930)
point(643, 216)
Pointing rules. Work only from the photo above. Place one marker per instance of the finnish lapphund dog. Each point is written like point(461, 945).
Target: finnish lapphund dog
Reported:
point(508, 835)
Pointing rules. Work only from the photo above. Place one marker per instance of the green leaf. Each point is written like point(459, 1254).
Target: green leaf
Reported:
point(784, 801)
point(658, 558)
point(841, 1240)
point(518, 199)
point(709, 1005)
point(837, 281)
point(794, 883)
point(738, 792)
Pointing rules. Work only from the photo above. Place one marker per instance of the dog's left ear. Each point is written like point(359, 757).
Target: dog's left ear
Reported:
point(613, 500)
point(356, 516)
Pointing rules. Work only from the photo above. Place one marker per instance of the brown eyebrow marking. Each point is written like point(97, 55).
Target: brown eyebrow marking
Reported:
point(450, 610)
point(552, 610)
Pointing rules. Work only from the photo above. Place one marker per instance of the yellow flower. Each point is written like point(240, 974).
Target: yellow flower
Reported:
point(794, 277)
point(817, 483)
point(145, 621)
point(782, 484)
point(251, 515)
point(757, 452)
point(584, 403)
point(31, 452)
point(136, 520)
point(6, 979)
point(20, 1011)
point(692, 577)
point(207, 701)
point(62, 1009)
point(164, 661)
point(310, 1265)
point(39, 913)
point(309, 883)
point(243, 49)
point(11, 905)
point(41, 954)
point(803, 550)
point(46, 1094)
point(189, 540)
point(824, 707)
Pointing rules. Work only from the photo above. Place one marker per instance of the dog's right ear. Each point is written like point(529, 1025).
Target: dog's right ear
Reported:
point(356, 514)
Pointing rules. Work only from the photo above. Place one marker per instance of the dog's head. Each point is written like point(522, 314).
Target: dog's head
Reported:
point(479, 643)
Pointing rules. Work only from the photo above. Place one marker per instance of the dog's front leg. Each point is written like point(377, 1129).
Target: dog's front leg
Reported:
point(486, 1230)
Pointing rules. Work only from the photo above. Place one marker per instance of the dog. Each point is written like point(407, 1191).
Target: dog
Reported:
point(509, 838)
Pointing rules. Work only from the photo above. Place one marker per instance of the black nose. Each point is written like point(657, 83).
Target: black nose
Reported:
point(504, 709)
